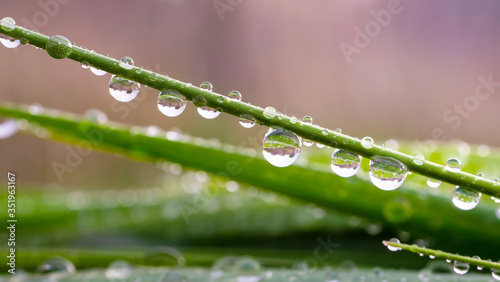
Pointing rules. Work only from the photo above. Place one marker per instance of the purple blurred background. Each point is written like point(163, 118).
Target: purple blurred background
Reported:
point(421, 60)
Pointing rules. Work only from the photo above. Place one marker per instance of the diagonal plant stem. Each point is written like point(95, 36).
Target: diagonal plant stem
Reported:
point(238, 108)
point(443, 255)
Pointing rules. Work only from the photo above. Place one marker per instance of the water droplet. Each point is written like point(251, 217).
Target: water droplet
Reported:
point(35, 109)
point(127, 63)
point(345, 163)
point(85, 65)
point(269, 112)
point(281, 147)
point(199, 101)
point(247, 121)
point(307, 120)
point(432, 257)
point(319, 145)
point(392, 248)
point(247, 270)
point(387, 173)
point(433, 183)
point(324, 132)
point(465, 199)
point(58, 47)
point(118, 269)
point(7, 128)
point(460, 267)
point(163, 255)
point(9, 42)
point(8, 24)
point(448, 260)
point(418, 160)
point(171, 103)
point(153, 131)
point(308, 143)
point(495, 199)
point(56, 265)
point(453, 165)
point(96, 116)
point(367, 142)
point(122, 89)
point(338, 130)
point(24, 40)
point(480, 174)
point(207, 86)
point(97, 71)
point(294, 120)
point(208, 113)
point(495, 273)
point(234, 95)
point(478, 258)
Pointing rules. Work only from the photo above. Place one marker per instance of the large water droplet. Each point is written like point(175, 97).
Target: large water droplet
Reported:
point(247, 121)
point(207, 86)
point(7, 128)
point(392, 248)
point(8, 24)
point(208, 113)
point(127, 63)
point(387, 173)
point(460, 267)
point(96, 116)
point(119, 269)
point(345, 163)
point(433, 183)
point(281, 147)
point(56, 265)
point(453, 165)
point(465, 199)
point(247, 270)
point(97, 71)
point(58, 47)
point(9, 42)
point(171, 103)
point(235, 95)
point(269, 112)
point(367, 142)
point(122, 89)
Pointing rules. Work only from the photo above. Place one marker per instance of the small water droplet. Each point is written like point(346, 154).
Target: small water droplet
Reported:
point(122, 89)
point(58, 47)
point(308, 143)
point(35, 109)
point(367, 142)
point(8, 128)
point(338, 130)
point(9, 42)
point(448, 260)
point(234, 95)
point(208, 113)
point(319, 145)
point(97, 71)
point(199, 101)
point(56, 265)
point(96, 116)
point(324, 132)
point(478, 267)
point(24, 40)
point(387, 173)
point(171, 103)
point(207, 86)
point(418, 160)
point(294, 120)
point(495, 273)
point(269, 112)
point(247, 270)
point(307, 120)
point(433, 183)
point(432, 257)
point(127, 63)
point(281, 147)
point(119, 269)
point(465, 199)
point(247, 121)
point(453, 165)
point(393, 248)
point(163, 255)
point(221, 99)
point(85, 65)
point(345, 163)
point(460, 267)
point(8, 24)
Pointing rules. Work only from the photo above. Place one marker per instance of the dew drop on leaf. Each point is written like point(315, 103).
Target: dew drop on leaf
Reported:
point(319, 145)
point(208, 113)
point(465, 199)
point(367, 142)
point(96, 116)
point(58, 47)
point(97, 71)
point(281, 147)
point(392, 248)
point(8, 24)
point(247, 270)
point(171, 103)
point(119, 269)
point(247, 121)
point(9, 42)
point(57, 265)
point(453, 165)
point(269, 112)
point(495, 273)
point(345, 163)
point(433, 183)
point(85, 65)
point(234, 95)
point(387, 173)
point(122, 89)
point(460, 267)
point(127, 63)
point(418, 160)
point(207, 86)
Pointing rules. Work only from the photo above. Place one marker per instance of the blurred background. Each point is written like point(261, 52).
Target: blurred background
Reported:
point(286, 54)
